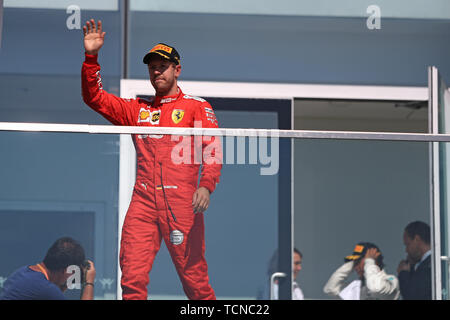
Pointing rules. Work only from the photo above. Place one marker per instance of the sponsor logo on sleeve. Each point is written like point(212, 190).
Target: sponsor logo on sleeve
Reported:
point(186, 96)
point(210, 116)
point(99, 80)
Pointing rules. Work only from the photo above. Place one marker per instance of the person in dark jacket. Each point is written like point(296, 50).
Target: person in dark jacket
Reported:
point(414, 273)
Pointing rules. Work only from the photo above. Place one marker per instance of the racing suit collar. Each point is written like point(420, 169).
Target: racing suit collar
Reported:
point(159, 100)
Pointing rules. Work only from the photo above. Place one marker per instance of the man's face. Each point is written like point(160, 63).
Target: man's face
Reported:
point(60, 278)
point(412, 247)
point(297, 264)
point(163, 75)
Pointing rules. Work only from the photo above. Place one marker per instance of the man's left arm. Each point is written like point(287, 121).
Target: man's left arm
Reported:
point(379, 282)
point(211, 158)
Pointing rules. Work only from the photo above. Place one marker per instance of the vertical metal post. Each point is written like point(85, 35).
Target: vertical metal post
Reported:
point(124, 13)
point(1, 22)
point(433, 120)
point(127, 155)
point(285, 178)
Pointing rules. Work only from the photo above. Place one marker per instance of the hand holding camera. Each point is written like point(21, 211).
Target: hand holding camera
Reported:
point(88, 273)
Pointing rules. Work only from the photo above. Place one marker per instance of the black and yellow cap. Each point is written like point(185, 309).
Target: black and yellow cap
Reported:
point(165, 51)
point(358, 252)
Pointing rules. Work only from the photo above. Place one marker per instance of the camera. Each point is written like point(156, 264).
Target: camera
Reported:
point(85, 265)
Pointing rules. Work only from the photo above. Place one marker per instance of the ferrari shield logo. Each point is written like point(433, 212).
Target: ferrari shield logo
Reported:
point(177, 115)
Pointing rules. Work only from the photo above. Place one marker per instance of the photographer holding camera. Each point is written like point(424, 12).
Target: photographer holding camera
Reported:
point(48, 280)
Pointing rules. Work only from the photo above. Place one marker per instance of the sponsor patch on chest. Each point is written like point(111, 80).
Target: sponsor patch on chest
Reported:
point(146, 115)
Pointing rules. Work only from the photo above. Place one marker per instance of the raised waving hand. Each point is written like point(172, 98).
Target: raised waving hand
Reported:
point(94, 37)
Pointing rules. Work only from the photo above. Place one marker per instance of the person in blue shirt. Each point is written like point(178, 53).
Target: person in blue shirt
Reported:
point(48, 279)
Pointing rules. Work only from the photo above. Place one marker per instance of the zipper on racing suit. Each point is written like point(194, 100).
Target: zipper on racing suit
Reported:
point(164, 193)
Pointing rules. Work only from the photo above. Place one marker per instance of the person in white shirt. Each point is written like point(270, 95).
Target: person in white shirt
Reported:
point(373, 284)
point(297, 293)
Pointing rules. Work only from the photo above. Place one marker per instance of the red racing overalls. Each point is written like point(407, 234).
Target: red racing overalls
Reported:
point(166, 179)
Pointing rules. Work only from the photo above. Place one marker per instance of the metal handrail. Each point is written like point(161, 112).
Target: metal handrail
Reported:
point(270, 133)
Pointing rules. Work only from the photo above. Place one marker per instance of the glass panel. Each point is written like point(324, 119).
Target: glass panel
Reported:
point(362, 116)
point(63, 4)
point(436, 9)
point(43, 85)
point(241, 232)
point(444, 127)
point(66, 184)
point(241, 224)
point(55, 185)
point(245, 48)
point(346, 192)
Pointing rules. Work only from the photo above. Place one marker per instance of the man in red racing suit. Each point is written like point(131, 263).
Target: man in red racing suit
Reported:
point(166, 202)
